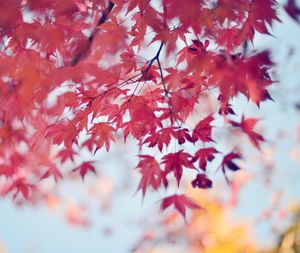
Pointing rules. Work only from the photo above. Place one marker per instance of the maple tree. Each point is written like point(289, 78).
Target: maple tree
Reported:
point(77, 74)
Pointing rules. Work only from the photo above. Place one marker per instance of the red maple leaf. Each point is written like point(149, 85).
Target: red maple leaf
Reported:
point(66, 154)
point(52, 171)
point(228, 163)
point(84, 168)
point(202, 181)
point(174, 162)
point(203, 129)
point(204, 155)
point(152, 175)
point(102, 134)
point(161, 138)
point(20, 185)
point(247, 126)
point(180, 202)
point(292, 9)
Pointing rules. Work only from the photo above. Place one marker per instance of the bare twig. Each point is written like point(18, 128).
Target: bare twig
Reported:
point(80, 55)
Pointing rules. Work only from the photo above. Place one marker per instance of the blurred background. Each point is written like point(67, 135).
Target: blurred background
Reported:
point(258, 212)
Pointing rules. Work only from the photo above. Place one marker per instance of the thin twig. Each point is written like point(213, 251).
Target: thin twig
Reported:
point(79, 56)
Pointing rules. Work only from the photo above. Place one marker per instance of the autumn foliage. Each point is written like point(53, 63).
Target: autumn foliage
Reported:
point(78, 74)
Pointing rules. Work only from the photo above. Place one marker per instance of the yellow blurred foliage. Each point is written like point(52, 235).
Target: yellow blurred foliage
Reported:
point(213, 230)
point(209, 230)
point(289, 241)
point(2, 250)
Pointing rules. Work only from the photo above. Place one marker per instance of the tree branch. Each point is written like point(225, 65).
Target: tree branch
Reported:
point(80, 55)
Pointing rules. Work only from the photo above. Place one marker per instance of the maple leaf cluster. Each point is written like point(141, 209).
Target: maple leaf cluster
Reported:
point(76, 74)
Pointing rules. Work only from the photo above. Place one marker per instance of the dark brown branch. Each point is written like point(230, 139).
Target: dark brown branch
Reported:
point(162, 77)
point(80, 55)
point(164, 84)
